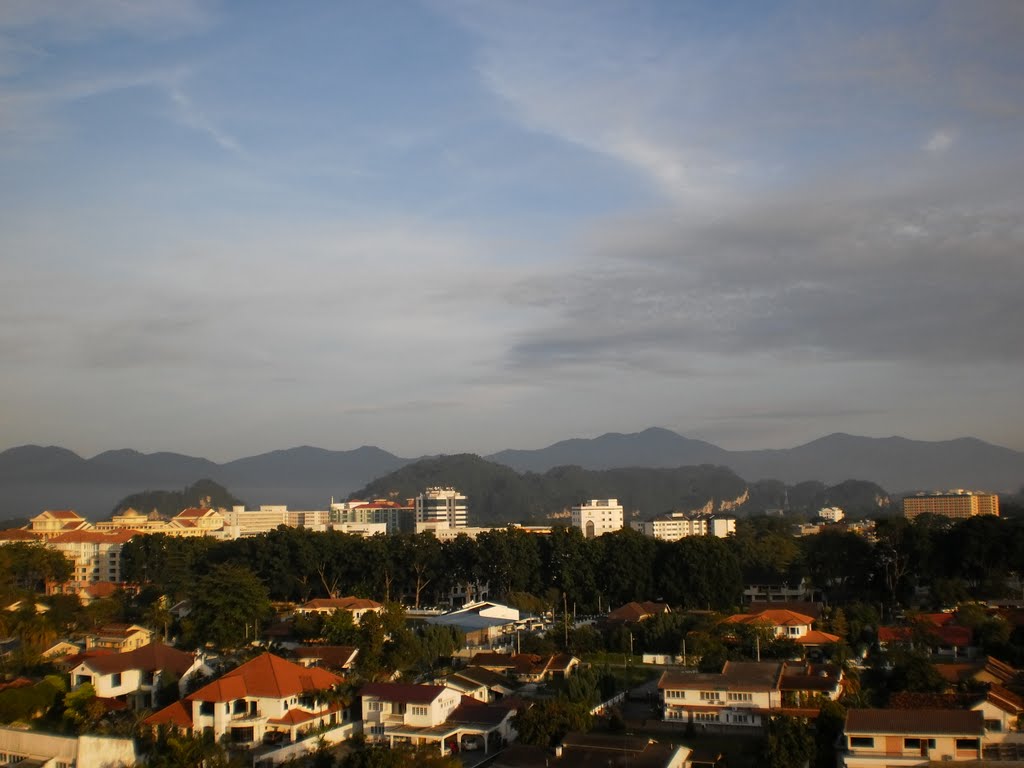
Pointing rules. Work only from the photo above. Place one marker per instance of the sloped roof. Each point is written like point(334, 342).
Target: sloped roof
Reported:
point(342, 603)
point(150, 658)
point(295, 716)
point(482, 676)
point(954, 722)
point(118, 631)
point(193, 512)
point(635, 611)
point(178, 714)
point(817, 637)
point(778, 617)
point(735, 675)
point(63, 514)
point(20, 534)
point(403, 692)
point(332, 655)
point(266, 676)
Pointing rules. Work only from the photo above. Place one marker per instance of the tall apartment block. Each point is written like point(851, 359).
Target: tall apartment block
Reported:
point(958, 504)
point(441, 508)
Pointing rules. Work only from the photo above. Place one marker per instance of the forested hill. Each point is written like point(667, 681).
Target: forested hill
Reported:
point(204, 493)
point(499, 495)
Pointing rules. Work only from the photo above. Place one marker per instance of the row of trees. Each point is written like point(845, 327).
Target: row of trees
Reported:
point(973, 557)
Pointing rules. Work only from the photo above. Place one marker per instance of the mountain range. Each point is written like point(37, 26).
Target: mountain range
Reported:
point(33, 478)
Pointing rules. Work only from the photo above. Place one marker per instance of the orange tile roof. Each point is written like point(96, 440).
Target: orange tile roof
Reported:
point(150, 658)
point(266, 676)
point(775, 616)
point(178, 714)
point(342, 603)
point(19, 534)
point(194, 512)
point(817, 637)
point(296, 716)
point(63, 514)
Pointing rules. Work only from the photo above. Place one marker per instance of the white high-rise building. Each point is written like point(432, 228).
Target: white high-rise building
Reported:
point(440, 508)
point(597, 517)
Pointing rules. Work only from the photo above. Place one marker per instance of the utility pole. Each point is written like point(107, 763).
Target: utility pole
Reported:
point(565, 618)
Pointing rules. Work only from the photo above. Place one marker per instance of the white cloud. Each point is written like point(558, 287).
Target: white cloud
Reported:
point(940, 141)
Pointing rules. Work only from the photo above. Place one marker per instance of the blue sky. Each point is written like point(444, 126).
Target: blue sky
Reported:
point(465, 226)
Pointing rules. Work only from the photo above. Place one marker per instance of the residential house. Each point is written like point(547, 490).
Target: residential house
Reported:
point(527, 667)
point(136, 677)
point(739, 695)
point(1000, 708)
point(937, 632)
point(421, 715)
point(118, 638)
point(589, 750)
point(804, 685)
point(479, 683)
point(264, 695)
point(356, 606)
point(883, 738)
point(785, 624)
point(634, 613)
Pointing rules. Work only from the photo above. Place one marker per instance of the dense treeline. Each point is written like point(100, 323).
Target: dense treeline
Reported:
point(203, 493)
point(973, 558)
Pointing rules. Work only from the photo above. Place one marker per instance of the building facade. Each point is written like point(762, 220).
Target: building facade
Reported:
point(440, 508)
point(598, 517)
point(678, 525)
point(958, 504)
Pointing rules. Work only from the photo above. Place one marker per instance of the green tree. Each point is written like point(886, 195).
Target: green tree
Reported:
point(788, 742)
point(228, 605)
point(546, 722)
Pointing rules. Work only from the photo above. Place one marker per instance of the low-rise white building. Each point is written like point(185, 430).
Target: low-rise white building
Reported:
point(598, 517)
point(831, 514)
point(673, 526)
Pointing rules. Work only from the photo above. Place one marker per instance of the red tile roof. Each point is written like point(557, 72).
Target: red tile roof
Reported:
point(778, 617)
point(194, 512)
point(266, 676)
point(150, 658)
point(178, 714)
point(634, 611)
point(296, 716)
point(342, 603)
point(331, 655)
point(19, 534)
point(63, 514)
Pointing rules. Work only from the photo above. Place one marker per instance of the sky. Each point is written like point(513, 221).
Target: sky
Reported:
point(436, 227)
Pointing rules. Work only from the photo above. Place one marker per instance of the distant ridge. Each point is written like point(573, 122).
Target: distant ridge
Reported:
point(34, 477)
point(895, 463)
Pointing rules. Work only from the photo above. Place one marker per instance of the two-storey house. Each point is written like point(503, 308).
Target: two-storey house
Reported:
point(892, 738)
point(356, 606)
point(421, 715)
point(136, 677)
point(738, 695)
point(263, 695)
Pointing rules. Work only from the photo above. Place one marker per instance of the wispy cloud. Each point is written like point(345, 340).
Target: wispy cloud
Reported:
point(940, 141)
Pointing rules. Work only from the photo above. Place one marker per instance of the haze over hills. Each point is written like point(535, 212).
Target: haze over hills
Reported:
point(33, 478)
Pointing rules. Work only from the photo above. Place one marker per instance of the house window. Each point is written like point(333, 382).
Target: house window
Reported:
point(376, 706)
point(705, 717)
point(708, 696)
point(115, 679)
point(993, 725)
point(967, 744)
point(419, 711)
point(912, 744)
point(862, 742)
point(741, 697)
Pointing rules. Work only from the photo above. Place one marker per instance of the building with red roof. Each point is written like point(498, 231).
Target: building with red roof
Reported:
point(267, 694)
point(53, 522)
point(136, 676)
point(785, 623)
point(95, 555)
point(357, 606)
